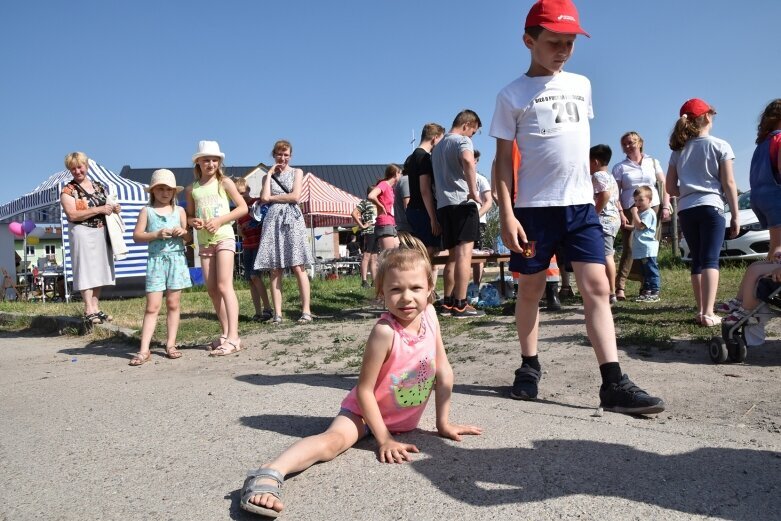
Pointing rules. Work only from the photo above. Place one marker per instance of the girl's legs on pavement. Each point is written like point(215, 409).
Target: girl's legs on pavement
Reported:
point(342, 434)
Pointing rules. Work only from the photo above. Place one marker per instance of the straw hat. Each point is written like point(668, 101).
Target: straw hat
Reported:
point(208, 148)
point(163, 177)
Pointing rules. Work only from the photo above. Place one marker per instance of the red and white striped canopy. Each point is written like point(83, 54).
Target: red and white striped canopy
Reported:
point(325, 205)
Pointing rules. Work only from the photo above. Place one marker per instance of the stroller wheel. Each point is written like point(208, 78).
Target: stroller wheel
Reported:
point(738, 350)
point(717, 349)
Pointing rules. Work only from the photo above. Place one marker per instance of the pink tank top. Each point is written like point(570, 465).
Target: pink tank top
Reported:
point(406, 378)
point(387, 197)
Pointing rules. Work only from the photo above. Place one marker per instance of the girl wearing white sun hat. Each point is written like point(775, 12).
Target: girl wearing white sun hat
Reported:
point(208, 211)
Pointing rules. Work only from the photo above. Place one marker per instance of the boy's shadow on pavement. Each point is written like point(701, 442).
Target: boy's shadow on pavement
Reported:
point(731, 483)
point(739, 484)
point(335, 381)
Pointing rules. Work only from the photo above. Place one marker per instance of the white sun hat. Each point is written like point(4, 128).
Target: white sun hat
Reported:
point(208, 148)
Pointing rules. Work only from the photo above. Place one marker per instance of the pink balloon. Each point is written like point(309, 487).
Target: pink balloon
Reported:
point(16, 229)
point(28, 225)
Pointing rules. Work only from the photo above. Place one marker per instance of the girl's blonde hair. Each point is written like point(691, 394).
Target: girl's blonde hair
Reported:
point(241, 184)
point(410, 254)
point(769, 120)
point(687, 128)
point(76, 158)
point(220, 175)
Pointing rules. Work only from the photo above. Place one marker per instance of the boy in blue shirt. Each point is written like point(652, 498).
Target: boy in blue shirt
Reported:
point(644, 239)
point(547, 111)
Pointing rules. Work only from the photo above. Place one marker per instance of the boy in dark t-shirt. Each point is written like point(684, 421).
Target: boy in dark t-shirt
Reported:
point(422, 208)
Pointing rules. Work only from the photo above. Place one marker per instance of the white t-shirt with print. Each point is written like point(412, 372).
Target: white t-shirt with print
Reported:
point(548, 117)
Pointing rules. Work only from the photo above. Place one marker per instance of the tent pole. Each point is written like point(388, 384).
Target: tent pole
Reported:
point(314, 257)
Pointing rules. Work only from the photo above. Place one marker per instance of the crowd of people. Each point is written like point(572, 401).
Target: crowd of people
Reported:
point(554, 193)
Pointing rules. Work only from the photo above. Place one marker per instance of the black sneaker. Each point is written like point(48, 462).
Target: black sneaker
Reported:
point(446, 309)
point(365, 284)
point(525, 384)
point(466, 312)
point(625, 397)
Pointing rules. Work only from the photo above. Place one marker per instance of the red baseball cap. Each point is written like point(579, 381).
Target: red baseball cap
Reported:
point(557, 16)
point(695, 107)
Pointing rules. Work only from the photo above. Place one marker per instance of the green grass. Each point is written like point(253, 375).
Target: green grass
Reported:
point(198, 324)
point(646, 325)
point(660, 324)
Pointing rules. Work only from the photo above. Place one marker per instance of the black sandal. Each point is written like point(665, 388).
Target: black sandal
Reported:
point(104, 317)
point(92, 319)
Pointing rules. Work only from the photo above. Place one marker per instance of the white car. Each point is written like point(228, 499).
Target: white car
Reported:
point(752, 241)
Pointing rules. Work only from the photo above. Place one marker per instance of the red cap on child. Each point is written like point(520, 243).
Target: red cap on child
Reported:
point(695, 107)
point(557, 16)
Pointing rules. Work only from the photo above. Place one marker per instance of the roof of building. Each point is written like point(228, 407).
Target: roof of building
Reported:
point(353, 179)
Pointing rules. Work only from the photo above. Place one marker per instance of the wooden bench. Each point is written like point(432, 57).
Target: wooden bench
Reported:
point(479, 258)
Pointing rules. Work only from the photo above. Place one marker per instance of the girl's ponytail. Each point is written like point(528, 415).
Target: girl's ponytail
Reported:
point(685, 129)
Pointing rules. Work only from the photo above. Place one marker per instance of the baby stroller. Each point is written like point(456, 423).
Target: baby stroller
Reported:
point(732, 343)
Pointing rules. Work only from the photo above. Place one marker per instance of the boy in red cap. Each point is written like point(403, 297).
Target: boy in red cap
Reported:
point(547, 111)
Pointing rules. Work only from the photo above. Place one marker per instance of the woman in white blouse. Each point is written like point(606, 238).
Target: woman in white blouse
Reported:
point(638, 169)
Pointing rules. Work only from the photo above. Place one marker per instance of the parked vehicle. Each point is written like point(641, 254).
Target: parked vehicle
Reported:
point(752, 241)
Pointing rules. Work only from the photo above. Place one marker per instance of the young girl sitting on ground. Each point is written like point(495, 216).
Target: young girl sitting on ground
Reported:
point(163, 225)
point(403, 360)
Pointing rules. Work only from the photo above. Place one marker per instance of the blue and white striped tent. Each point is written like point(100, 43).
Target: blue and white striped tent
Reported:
point(46, 198)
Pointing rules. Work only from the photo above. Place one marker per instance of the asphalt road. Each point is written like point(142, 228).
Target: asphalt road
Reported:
point(84, 436)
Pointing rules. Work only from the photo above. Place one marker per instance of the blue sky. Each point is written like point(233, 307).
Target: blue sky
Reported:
point(139, 83)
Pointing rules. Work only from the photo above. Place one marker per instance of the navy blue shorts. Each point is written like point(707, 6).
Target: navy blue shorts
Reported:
point(575, 229)
point(421, 227)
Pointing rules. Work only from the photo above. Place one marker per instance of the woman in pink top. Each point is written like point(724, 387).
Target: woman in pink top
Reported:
point(403, 361)
point(383, 197)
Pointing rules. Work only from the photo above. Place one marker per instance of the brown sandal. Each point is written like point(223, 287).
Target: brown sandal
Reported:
point(173, 353)
point(140, 359)
point(215, 344)
point(224, 351)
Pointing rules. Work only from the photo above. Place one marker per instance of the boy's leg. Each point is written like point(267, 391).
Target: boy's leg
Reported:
point(261, 287)
point(463, 267)
point(653, 275)
point(596, 305)
point(617, 392)
point(527, 305)
point(527, 319)
point(343, 433)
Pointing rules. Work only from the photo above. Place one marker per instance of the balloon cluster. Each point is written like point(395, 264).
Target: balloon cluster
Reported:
point(20, 229)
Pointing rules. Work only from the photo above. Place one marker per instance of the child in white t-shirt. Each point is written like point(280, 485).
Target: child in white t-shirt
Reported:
point(547, 111)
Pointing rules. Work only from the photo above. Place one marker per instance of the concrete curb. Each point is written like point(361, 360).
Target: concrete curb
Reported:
point(64, 324)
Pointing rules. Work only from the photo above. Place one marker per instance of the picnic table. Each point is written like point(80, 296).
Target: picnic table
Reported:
point(479, 257)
